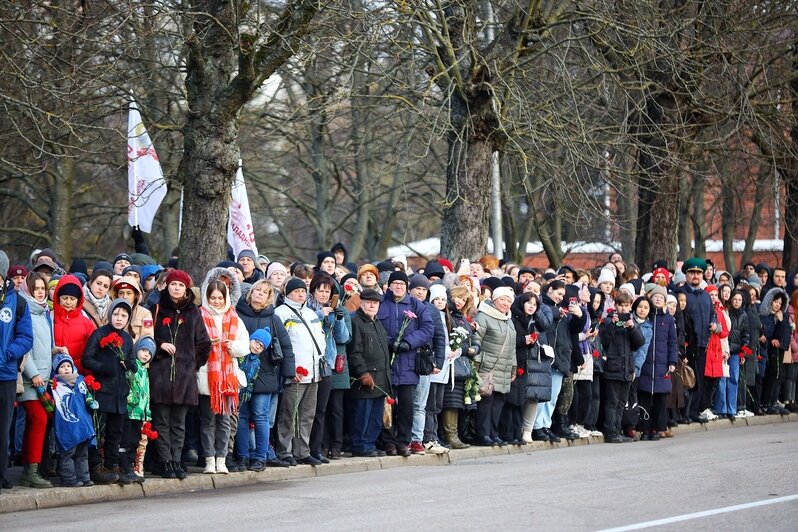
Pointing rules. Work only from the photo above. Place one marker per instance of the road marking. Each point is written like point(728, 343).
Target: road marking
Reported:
point(706, 513)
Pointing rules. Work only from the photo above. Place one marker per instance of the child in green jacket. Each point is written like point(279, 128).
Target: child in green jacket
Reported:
point(138, 408)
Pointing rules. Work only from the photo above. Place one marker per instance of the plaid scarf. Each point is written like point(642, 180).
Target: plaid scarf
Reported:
point(222, 381)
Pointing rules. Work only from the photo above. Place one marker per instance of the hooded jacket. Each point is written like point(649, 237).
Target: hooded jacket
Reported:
point(662, 352)
point(72, 421)
point(141, 321)
point(496, 336)
point(16, 333)
point(306, 342)
point(138, 400)
point(772, 329)
point(559, 336)
point(270, 377)
point(104, 364)
point(619, 344)
point(40, 357)
point(71, 328)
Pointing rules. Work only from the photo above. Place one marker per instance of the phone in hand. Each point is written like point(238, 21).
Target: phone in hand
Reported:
point(572, 302)
point(334, 301)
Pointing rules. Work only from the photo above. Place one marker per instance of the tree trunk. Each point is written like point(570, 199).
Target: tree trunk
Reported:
point(685, 224)
point(727, 230)
point(466, 216)
point(61, 217)
point(699, 218)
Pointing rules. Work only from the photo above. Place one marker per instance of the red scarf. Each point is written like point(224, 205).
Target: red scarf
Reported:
point(222, 381)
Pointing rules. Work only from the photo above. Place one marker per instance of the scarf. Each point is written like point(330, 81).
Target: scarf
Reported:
point(100, 304)
point(23, 289)
point(222, 381)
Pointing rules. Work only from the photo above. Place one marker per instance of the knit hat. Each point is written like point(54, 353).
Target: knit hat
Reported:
point(493, 283)
point(264, 336)
point(436, 291)
point(263, 258)
point(3, 265)
point(386, 266)
point(657, 290)
point(446, 263)
point(247, 253)
point(755, 281)
point(434, 268)
point(369, 294)
point(503, 291)
point(346, 277)
point(142, 259)
point(275, 267)
point(70, 289)
point(132, 268)
point(122, 256)
point(78, 266)
point(662, 271)
point(398, 276)
point(670, 298)
point(629, 287)
point(710, 288)
point(606, 276)
point(321, 256)
point(16, 270)
point(61, 359)
point(145, 343)
point(527, 269)
point(419, 281)
point(47, 252)
point(367, 268)
point(103, 265)
point(179, 276)
point(230, 264)
point(679, 278)
point(694, 264)
point(294, 284)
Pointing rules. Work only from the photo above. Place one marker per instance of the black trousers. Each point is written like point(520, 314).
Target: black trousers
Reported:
point(708, 393)
point(614, 395)
point(511, 422)
point(320, 419)
point(130, 443)
point(655, 416)
point(334, 437)
point(400, 434)
point(489, 410)
point(170, 423)
point(112, 426)
point(8, 392)
point(774, 375)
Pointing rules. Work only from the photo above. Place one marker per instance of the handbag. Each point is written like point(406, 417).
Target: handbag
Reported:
point(463, 369)
point(787, 358)
point(425, 360)
point(275, 354)
point(725, 367)
point(340, 361)
point(687, 374)
point(485, 383)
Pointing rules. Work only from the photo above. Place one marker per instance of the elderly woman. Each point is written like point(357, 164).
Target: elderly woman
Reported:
point(496, 361)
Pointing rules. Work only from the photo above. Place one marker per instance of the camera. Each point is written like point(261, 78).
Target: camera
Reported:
point(624, 316)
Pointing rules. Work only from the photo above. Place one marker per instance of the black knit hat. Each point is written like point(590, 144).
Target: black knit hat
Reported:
point(398, 276)
point(295, 284)
point(70, 289)
point(493, 283)
point(434, 268)
point(323, 255)
point(419, 281)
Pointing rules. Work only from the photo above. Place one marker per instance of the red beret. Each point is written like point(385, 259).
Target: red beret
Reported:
point(447, 263)
point(179, 276)
point(16, 269)
point(664, 272)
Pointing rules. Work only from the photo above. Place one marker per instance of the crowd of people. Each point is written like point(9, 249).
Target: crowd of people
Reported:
point(131, 367)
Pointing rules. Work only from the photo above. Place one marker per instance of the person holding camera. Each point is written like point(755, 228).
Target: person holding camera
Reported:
point(620, 337)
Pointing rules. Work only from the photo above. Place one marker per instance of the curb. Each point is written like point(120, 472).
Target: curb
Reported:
point(21, 499)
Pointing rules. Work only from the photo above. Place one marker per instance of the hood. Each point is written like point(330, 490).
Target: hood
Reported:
point(595, 314)
point(149, 269)
point(339, 247)
point(128, 280)
point(63, 281)
point(58, 360)
point(764, 307)
point(233, 291)
point(119, 302)
point(145, 342)
point(34, 306)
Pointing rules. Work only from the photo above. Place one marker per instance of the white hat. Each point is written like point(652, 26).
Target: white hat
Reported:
point(607, 276)
point(629, 287)
point(503, 291)
point(436, 291)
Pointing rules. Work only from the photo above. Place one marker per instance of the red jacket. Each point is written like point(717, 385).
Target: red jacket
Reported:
point(71, 328)
point(714, 364)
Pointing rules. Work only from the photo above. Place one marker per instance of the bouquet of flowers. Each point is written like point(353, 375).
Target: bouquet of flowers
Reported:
point(409, 315)
point(115, 342)
point(457, 338)
point(472, 385)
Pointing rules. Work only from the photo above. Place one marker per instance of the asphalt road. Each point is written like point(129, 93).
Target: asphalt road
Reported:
point(739, 479)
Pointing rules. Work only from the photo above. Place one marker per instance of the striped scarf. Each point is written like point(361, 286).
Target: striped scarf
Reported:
point(222, 381)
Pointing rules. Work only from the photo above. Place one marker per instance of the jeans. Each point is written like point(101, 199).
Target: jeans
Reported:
point(420, 407)
point(726, 396)
point(256, 410)
point(546, 410)
point(366, 423)
point(434, 407)
point(73, 465)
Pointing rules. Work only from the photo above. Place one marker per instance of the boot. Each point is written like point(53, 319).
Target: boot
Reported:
point(210, 465)
point(100, 475)
point(526, 437)
point(138, 463)
point(221, 466)
point(31, 479)
point(449, 419)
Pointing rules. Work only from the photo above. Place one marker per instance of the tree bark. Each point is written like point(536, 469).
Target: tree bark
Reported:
point(61, 215)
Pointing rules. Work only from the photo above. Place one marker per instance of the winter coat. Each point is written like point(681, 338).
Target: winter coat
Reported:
point(715, 350)
point(138, 399)
point(16, 333)
point(496, 335)
point(40, 358)
point(439, 344)
point(335, 332)
point(141, 320)
point(306, 348)
point(368, 352)
point(419, 332)
point(585, 371)
point(193, 347)
point(524, 325)
point(559, 335)
point(535, 384)
point(738, 333)
point(104, 364)
point(257, 275)
point(72, 421)
point(340, 381)
point(270, 377)
point(454, 397)
point(698, 314)
point(647, 330)
point(662, 352)
point(71, 328)
point(618, 345)
point(793, 336)
point(748, 370)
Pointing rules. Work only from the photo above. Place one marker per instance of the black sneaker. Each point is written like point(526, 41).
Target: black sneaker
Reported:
point(290, 460)
point(320, 457)
point(539, 435)
point(309, 460)
point(613, 438)
point(257, 465)
point(127, 478)
point(553, 438)
point(277, 463)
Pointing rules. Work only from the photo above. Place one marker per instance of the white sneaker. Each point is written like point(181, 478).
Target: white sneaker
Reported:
point(433, 447)
point(527, 437)
point(708, 415)
point(221, 467)
point(580, 430)
point(748, 413)
point(596, 433)
point(210, 465)
point(740, 414)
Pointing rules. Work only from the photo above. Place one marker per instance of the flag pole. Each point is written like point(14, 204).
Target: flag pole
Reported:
point(180, 220)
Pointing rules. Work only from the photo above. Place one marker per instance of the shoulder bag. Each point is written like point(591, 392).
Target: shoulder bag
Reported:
point(324, 368)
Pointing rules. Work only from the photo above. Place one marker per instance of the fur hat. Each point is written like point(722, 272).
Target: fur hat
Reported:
point(367, 268)
point(369, 294)
point(3, 265)
point(179, 276)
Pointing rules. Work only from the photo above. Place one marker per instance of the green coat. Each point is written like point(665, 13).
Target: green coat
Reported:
point(496, 336)
point(138, 400)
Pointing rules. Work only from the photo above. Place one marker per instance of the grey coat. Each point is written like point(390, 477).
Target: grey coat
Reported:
point(39, 359)
point(496, 336)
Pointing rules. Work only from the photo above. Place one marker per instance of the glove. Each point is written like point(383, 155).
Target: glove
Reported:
point(367, 380)
point(94, 405)
point(137, 234)
point(339, 313)
point(403, 347)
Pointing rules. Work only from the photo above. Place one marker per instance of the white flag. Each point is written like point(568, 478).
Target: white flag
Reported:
point(240, 233)
point(145, 181)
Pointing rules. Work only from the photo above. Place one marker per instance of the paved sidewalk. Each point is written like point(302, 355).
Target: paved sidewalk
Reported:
point(22, 499)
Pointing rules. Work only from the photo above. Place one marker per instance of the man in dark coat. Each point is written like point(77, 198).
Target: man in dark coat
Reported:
point(369, 362)
point(698, 315)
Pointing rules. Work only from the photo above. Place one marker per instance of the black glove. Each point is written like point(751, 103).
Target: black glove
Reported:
point(403, 347)
point(339, 313)
point(137, 234)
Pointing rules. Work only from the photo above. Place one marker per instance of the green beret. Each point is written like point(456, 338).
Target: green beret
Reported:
point(694, 264)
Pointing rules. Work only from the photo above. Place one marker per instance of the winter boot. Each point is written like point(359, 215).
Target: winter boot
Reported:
point(138, 463)
point(100, 475)
point(210, 465)
point(221, 466)
point(31, 479)
point(449, 418)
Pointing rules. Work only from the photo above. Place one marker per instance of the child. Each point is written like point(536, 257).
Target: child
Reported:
point(73, 426)
point(109, 352)
point(138, 410)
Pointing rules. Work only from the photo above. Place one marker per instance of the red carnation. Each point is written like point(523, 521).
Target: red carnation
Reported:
point(520, 371)
point(758, 358)
point(596, 354)
point(391, 401)
point(746, 350)
point(667, 375)
point(55, 384)
point(167, 321)
point(302, 372)
point(534, 336)
point(91, 383)
point(348, 288)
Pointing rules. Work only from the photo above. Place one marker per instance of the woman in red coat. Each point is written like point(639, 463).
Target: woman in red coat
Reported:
point(717, 354)
point(71, 327)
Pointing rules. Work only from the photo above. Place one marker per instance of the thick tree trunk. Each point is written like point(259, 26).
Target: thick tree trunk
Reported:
point(727, 230)
point(790, 250)
point(61, 214)
point(466, 216)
